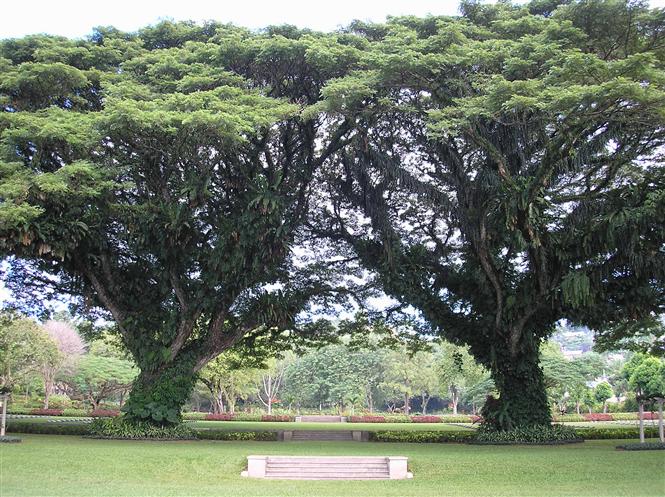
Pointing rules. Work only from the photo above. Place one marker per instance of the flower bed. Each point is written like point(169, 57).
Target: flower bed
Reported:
point(281, 418)
point(46, 412)
point(105, 413)
point(426, 419)
point(220, 417)
point(597, 416)
point(366, 419)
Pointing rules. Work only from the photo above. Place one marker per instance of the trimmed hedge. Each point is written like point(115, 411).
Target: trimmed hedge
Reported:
point(47, 412)
point(194, 416)
point(426, 419)
point(256, 436)
point(279, 418)
point(105, 413)
point(615, 433)
point(598, 416)
point(458, 418)
point(49, 428)
point(220, 417)
point(644, 446)
point(421, 436)
point(9, 440)
point(537, 435)
point(397, 418)
point(366, 419)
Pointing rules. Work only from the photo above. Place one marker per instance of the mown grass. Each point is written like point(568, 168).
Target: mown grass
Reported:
point(70, 466)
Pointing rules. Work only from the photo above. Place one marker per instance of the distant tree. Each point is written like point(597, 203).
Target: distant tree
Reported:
point(457, 371)
point(229, 378)
point(100, 378)
point(602, 392)
point(646, 377)
point(645, 335)
point(70, 347)
point(24, 348)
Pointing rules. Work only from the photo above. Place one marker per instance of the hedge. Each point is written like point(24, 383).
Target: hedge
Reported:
point(421, 436)
point(615, 433)
point(644, 446)
point(257, 436)
point(49, 428)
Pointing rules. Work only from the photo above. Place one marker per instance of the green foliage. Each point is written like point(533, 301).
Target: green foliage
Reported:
point(98, 378)
point(256, 436)
point(596, 433)
point(646, 376)
point(48, 428)
point(24, 348)
point(644, 446)
point(121, 428)
point(163, 177)
point(396, 436)
point(527, 435)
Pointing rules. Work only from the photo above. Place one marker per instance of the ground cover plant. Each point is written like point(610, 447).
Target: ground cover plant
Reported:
point(69, 467)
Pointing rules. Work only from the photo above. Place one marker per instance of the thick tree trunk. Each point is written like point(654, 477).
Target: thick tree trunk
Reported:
point(158, 395)
point(454, 399)
point(522, 396)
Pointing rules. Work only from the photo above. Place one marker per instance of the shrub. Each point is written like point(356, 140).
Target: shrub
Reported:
point(194, 416)
point(122, 429)
point(456, 418)
point(426, 419)
point(397, 418)
point(527, 435)
point(220, 417)
point(597, 416)
point(615, 433)
point(49, 428)
point(59, 402)
point(366, 419)
point(246, 416)
point(75, 413)
point(649, 416)
point(105, 413)
point(46, 412)
point(258, 436)
point(12, 409)
point(625, 416)
point(476, 419)
point(282, 418)
point(644, 446)
point(569, 418)
point(421, 436)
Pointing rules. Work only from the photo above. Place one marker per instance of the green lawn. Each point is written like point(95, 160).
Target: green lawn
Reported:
point(70, 466)
point(269, 426)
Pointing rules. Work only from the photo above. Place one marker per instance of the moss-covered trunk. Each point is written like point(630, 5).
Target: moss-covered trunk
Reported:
point(522, 395)
point(158, 393)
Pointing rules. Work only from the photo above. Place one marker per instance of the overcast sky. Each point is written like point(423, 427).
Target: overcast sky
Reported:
point(76, 18)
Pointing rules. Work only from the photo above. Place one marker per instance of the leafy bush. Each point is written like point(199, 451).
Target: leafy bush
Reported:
point(75, 413)
point(283, 418)
point(569, 418)
point(194, 416)
point(46, 412)
point(258, 436)
point(366, 419)
point(59, 402)
point(597, 416)
point(527, 435)
point(644, 446)
point(426, 419)
point(220, 417)
point(456, 418)
point(119, 428)
point(421, 436)
point(614, 433)
point(105, 413)
point(397, 418)
point(12, 409)
point(246, 416)
point(49, 428)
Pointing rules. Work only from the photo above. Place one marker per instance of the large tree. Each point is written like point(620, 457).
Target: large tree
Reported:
point(505, 173)
point(162, 176)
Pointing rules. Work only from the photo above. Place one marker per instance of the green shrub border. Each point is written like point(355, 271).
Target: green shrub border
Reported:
point(6, 439)
point(644, 446)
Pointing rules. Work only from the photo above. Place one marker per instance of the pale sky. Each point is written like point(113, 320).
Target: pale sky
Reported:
point(76, 18)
